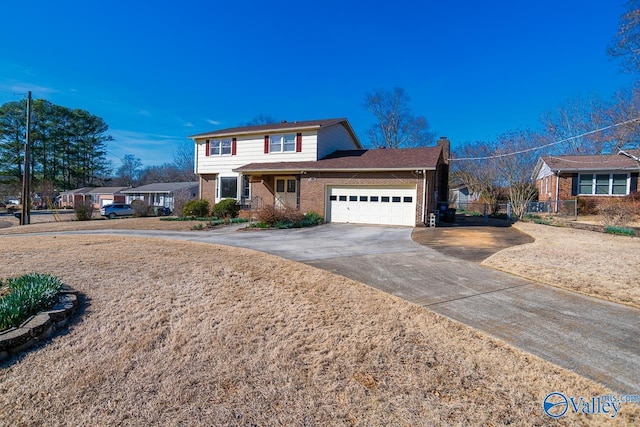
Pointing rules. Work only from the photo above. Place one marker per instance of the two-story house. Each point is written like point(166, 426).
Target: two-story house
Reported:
point(319, 165)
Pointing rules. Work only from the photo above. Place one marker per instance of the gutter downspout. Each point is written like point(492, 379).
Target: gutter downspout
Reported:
point(557, 189)
point(424, 196)
point(195, 168)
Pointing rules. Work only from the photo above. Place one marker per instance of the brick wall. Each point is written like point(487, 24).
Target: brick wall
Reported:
point(208, 188)
point(564, 191)
point(262, 188)
point(313, 187)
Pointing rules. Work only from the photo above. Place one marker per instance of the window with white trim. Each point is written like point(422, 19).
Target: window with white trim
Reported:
point(220, 147)
point(603, 184)
point(282, 143)
point(227, 187)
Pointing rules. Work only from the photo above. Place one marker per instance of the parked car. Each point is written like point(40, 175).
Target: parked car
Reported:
point(115, 210)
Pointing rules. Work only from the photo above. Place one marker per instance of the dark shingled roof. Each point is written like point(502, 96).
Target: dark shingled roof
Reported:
point(161, 187)
point(594, 162)
point(347, 160)
point(270, 127)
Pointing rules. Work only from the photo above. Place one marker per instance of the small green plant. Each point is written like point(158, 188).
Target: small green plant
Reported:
point(622, 231)
point(535, 219)
point(84, 211)
point(272, 217)
point(185, 218)
point(27, 295)
point(196, 208)
point(227, 208)
point(197, 227)
point(311, 218)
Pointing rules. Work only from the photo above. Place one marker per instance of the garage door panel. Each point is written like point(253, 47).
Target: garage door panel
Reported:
point(372, 205)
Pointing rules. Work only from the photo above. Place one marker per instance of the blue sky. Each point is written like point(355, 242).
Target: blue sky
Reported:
point(160, 71)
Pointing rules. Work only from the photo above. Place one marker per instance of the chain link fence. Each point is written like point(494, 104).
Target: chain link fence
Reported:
point(503, 210)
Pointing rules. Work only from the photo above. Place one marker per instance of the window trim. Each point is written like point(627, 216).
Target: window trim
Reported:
point(280, 146)
point(219, 195)
point(219, 145)
point(610, 187)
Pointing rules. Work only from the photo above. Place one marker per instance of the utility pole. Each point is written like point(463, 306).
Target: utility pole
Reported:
point(25, 216)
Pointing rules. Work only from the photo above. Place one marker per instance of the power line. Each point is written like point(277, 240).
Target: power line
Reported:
point(591, 132)
point(13, 92)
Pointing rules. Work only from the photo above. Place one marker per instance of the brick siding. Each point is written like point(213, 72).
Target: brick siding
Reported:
point(313, 187)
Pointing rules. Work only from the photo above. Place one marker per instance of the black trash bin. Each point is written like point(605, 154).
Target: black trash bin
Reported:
point(442, 210)
point(450, 215)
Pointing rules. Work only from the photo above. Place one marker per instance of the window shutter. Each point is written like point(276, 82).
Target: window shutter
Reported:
point(206, 148)
point(574, 184)
point(266, 144)
point(634, 182)
point(233, 146)
point(298, 142)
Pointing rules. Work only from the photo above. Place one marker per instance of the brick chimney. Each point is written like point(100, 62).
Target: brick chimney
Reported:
point(446, 148)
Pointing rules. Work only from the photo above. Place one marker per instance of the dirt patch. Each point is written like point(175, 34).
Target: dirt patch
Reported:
point(206, 334)
point(470, 242)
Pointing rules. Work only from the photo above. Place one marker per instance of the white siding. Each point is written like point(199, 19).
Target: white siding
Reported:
point(334, 138)
point(250, 149)
point(545, 171)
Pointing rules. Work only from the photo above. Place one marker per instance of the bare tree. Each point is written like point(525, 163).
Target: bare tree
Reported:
point(626, 43)
point(127, 173)
point(261, 119)
point(500, 168)
point(180, 198)
point(473, 166)
point(396, 125)
point(515, 160)
point(574, 118)
point(183, 159)
point(624, 108)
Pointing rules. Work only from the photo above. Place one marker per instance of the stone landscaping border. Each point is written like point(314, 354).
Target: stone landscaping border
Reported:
point(39, 326)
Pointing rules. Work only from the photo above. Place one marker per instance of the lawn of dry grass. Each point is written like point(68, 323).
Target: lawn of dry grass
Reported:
point(597, 264)
point(193, 334)
point(45, 223)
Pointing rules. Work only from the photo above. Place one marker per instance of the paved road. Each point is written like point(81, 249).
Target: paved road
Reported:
point(597, 339)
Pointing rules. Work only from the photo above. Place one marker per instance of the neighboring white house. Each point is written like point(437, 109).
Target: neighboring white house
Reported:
point(460, 195)
point(162, 193)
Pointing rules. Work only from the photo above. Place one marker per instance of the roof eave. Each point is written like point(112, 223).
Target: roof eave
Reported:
point(298, 170)
point(252, 132)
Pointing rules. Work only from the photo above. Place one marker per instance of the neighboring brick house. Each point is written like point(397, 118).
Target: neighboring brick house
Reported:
point(597, 177)
point(99, 196)
point(320, 166)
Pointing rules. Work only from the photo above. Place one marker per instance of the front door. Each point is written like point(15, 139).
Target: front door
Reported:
point(287, 192)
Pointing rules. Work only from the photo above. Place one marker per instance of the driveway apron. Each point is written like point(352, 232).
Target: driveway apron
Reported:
point(594, 338)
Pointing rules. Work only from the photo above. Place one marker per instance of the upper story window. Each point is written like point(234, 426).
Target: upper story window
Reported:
point(220, 147)
point(282, 143)
point(605, 184)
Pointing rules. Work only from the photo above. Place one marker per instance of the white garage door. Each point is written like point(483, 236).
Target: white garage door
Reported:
point(372, 205)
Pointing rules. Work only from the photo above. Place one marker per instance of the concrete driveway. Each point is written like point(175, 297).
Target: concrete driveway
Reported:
point(595, 338)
